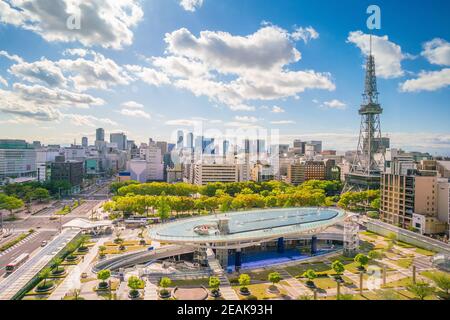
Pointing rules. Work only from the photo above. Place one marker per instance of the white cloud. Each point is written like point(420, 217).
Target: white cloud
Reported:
point(3, 81)
point(55, 97)
point(246, 119)
point(102, 22)
point(135, 113)
point(148, 75)
point(183, 122)
point(191, 5)
point(132, 105)
point(276, 109)
point(234, 70)
point(427, 81)
point(388, 55)
point(305, 34)
point(98, 72)
point(437, 51)
point(43, 71)
point(283, 122)
point(88, 120)
point(335, 104)
point(12, 57)
point(242, 107)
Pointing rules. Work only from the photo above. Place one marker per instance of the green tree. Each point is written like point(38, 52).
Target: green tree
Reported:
point(102, 250)
point(338, 267)
point(44, 275)
point(41, 194)
point(163, 208)
point(214, 283)
point(134, 283)
point(375, 255)
point(57, 264)
point(274, 277)
point(310, 274)
point(442, 281)
point(362, 260)
point(420, 289)
point(103, 276)
point(10, 203)
point(244, 280)
point(165, 282)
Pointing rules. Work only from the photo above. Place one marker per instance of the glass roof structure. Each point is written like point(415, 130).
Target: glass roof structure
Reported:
point(244, 226)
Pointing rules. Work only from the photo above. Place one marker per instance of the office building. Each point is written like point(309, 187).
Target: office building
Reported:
point(17, 160)
point(84, 142)
point(180, 139)
point(208, 173)
point(67, 170)
point(119, 139)
point(300, 172)
point(100, 134)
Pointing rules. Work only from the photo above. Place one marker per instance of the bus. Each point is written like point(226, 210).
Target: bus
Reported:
point(16, 263)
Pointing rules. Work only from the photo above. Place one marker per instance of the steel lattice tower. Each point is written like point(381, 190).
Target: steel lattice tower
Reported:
point(365, 170)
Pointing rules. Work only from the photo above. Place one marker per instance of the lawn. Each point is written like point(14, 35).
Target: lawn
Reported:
point(260, 275)
point(260, 291)
point(398, 283)
point(191, 283)
point(403, 263)
point(424, 252)
point(299, 269)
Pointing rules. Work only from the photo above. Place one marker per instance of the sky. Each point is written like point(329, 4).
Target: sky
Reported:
point(296, 68)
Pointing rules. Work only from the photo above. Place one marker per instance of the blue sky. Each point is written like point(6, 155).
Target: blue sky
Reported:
point(151, 67)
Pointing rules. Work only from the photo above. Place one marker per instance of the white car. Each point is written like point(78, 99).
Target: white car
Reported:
point(44, 243)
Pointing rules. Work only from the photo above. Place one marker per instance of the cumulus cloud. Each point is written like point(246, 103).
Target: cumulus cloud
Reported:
point(335, 104)
point(388, 55)
point(97, 72)
point(437, 51)
point(101, 22)
point(234, 70)
point(283, 122)
point(88, 120)
point(277, 109)
point(12, 57)
point(132, 105)
point(305, 34)
point(191, 5)
point(148, 75)
point(427, 81)
point(246, 119)
point(183, 122)
point(135, 113)
point(3, 81)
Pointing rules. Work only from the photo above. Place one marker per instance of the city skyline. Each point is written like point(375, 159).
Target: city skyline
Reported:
point(297, 69)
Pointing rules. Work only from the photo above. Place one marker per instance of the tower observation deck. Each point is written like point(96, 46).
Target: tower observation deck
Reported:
point(366, 170)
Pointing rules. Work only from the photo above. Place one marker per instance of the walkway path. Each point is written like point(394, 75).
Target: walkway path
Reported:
point(150, 291)
point(84, 266)
point(225, 287)
point(295, 288)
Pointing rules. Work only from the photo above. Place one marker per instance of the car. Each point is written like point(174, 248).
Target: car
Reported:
point(44, 243)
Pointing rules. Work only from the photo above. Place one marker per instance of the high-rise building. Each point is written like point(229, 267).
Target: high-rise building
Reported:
point(209, 146)
point(366, 169)
point(162, 145)
point(190, 140)
point(84, 142)
point(225, 147)
point(180, 139)
point(17, 159)
point(120, 139)
point(67, 170)
point(100, 134)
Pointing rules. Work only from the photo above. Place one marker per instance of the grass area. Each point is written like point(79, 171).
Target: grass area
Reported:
point(191, 283)
point(260, 275)
point(299, 269)
point(369, 234)
point(404, 245)
point(430, 274)
point(425, 252)
point(13, 242)
point(403, 263)
point(260, 291)
point(115, 249)
point(399, 283)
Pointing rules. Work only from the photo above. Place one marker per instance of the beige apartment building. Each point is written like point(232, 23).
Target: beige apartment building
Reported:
point(208, 173)
point(411, 201)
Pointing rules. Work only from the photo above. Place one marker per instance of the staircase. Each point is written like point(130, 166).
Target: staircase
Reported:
point(225, 287)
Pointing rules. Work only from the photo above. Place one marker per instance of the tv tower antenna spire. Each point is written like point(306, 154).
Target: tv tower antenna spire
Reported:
point(366, 168)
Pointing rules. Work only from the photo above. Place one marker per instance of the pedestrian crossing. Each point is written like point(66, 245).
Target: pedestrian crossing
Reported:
point(21, 242)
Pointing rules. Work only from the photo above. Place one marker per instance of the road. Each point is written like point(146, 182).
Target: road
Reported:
point(29, 245)
point(14, 282)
